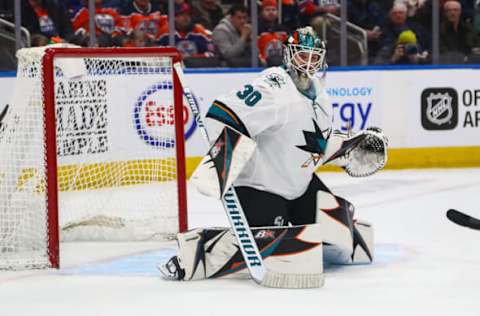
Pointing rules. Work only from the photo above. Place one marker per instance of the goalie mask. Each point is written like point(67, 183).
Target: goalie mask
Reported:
point(304, 55)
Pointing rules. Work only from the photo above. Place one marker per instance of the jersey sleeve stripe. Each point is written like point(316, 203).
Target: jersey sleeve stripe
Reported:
point(222, 113)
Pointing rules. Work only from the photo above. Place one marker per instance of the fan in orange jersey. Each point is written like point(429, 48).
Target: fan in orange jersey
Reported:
point(152, 24)
point(108, 23)
point(271, 35)
point(192, 40)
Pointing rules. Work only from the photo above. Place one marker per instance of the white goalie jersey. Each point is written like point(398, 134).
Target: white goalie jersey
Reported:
point(291, 130)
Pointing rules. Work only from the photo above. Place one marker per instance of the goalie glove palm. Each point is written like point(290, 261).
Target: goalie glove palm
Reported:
point(369, 156)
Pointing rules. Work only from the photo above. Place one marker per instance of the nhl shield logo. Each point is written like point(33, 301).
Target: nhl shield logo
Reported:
point(439, 108)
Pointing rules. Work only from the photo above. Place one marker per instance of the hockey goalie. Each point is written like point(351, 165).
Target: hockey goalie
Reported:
point(271, 136)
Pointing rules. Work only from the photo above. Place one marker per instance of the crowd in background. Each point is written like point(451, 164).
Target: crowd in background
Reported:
point(215, 33)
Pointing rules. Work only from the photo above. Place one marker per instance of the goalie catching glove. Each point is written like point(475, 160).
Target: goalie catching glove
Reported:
point(361, 155)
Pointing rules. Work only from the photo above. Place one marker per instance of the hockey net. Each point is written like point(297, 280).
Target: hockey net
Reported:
point(90, 149)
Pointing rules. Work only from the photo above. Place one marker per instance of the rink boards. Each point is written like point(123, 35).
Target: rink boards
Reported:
point(431, 115)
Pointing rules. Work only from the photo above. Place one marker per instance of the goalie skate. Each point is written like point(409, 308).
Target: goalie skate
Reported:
point(171, 270)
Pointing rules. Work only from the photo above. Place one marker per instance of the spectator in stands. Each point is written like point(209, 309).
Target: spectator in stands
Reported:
point(271, 35)
point(6, 10)
point(310, 9)
point(406, 50)
point(145, 17)
point(370, 16)
point(207, 13)
point(109, 25)
point(47, 18)
point(397, 23)
point(468, 9)
point(290, 13)
point(115, 4)
point(423, 14)
point(73, 6)
point(39, 40)
point(232, 37)
point(192, 40)
point(268, 17)
point(476, 19)
point(143, 7)
point(457, 37)
point(412, 6)
point(139, 38)
point(154, 25)
point(163, 4)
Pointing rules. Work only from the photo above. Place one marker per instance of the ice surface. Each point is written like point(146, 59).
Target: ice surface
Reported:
point(425, 265)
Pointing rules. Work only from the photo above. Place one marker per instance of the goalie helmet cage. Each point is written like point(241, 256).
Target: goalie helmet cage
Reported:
point(146, 71)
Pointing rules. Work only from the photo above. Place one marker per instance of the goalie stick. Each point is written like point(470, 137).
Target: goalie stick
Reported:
point(463, 219)
point(251, 254)
point(3, 114)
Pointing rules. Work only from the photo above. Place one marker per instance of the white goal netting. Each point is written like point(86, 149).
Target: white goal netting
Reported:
point(116, 154)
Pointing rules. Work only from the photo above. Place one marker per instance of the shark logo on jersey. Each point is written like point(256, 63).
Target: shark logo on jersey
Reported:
point(315, 144)
point(275, 80)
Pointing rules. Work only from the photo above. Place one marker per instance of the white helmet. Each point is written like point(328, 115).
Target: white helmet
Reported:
point(304, 55)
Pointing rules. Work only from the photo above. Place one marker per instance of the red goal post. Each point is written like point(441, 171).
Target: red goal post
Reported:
point(108, 173)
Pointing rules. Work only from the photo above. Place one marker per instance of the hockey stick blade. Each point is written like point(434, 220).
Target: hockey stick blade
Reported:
point(463, 219)
point(248, 247)
point(3, 114)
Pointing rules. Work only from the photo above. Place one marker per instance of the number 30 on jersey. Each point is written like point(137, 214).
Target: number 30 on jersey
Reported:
point(249, 95)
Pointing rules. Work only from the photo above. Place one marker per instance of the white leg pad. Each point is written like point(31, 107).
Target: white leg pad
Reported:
point(347, 242)
point(337, 238)
point(307, 262)
point(190, 253)
point(291, 253)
